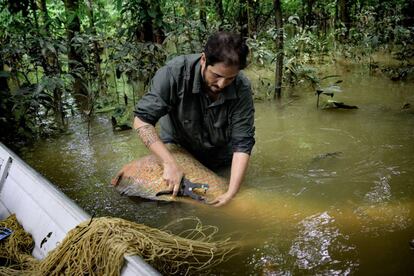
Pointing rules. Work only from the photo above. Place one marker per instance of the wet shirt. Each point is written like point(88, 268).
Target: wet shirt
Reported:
point(188, 117)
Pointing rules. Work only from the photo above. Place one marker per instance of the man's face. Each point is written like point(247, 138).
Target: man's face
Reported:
point(216, 77)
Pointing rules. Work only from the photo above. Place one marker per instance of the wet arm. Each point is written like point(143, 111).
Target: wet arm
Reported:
point(238, 170)
point(172, 171)
point(242, 142)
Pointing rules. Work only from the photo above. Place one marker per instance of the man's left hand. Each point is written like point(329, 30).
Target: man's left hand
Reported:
point(221, 200)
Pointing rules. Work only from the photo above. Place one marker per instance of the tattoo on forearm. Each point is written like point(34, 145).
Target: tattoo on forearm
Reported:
point(148, 135)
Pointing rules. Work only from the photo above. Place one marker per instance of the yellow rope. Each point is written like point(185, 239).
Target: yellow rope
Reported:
point(97, 247)
point(15, 250)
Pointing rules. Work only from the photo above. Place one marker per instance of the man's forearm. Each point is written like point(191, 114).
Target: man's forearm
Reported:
point(173, 173)
point(149, 137)
point(238, 170)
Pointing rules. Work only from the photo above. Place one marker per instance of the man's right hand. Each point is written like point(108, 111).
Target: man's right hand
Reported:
point(172, 176)
point(173, 173)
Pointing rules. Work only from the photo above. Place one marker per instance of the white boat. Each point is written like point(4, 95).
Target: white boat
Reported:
point(44, 211)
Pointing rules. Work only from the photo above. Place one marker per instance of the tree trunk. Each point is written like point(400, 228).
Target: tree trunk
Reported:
point(203, 20)
point(244, 18)
point(96, 50)
point(309, 13)
point(3, 80)
point(203, 15)
point(344, 13)
point(254, 15)
point(46, 19)
point(279, 49)
point(51, 65)
point(149, 32)
point(33, 6)
point(408, 20)
point(220, 11)
point(74, 59)
point(159, 32)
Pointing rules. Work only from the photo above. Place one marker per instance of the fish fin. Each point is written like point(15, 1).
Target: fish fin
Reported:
point(117, 178)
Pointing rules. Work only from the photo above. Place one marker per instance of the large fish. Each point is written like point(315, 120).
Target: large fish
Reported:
point(143, 177)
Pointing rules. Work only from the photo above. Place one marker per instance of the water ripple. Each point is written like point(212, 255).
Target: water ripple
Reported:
point(381, 191)
point(384, 217)
point(313, 248)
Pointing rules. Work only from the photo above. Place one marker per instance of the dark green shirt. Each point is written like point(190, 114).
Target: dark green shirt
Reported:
point(189, 118)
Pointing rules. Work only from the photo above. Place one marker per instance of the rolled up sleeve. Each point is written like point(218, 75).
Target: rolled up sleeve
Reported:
point(243, 129)
point(157, 101)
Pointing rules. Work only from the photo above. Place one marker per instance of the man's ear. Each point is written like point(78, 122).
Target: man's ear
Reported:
point(203, 59)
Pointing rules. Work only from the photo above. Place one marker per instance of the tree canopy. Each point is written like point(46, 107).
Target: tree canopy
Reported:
point(58, 58)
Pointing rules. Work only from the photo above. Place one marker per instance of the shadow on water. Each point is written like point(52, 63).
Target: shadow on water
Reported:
point(327, 192)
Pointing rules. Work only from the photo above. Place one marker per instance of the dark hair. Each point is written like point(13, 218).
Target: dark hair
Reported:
point(226, 47)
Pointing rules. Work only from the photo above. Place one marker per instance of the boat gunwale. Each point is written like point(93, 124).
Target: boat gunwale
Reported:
point(133, 265)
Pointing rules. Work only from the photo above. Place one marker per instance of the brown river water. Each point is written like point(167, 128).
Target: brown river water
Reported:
point(328, 192)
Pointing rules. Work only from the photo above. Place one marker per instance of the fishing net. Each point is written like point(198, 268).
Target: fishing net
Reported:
point(98, 246)
point(15, 250)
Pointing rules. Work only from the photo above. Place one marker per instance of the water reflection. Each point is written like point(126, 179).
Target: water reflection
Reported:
point(315, 246)
point(318, 243)
point(381, 191)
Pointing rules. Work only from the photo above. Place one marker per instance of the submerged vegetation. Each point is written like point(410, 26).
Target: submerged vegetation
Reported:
point(60, 59)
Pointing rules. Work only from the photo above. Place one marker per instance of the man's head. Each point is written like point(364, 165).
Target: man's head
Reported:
point(224, 55)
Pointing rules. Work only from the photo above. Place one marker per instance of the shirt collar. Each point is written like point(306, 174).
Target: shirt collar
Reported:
point(197, 77)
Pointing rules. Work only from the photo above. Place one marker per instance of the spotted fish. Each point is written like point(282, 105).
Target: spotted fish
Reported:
point(143, 177)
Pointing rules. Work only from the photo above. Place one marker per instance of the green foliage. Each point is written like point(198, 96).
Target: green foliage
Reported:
point(379, 27)
point(185, 39)
point(404, 42)
point(139, 15)
point(138, 61)
point(121, 118)
point(120, 45)
point(297, 72)
point(307, 46)
point(89, 48)
point(32, 63)
point(261, 52)
point(24, 112)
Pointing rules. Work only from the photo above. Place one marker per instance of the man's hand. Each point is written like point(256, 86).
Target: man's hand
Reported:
point(172, 175)
point(238, 168)
point(221, 200)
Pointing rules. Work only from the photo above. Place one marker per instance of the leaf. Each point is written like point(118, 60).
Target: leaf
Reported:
point(294, 19)
point(50, 47)
point(152, 13)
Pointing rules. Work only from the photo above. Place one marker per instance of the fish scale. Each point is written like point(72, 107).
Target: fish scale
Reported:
point(143, 177)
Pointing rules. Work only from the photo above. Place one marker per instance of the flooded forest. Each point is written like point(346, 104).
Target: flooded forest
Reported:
point(330, 185)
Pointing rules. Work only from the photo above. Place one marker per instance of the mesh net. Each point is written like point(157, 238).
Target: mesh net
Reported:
point(98, 246)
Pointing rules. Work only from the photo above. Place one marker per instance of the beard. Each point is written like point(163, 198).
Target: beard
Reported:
point(211, 89)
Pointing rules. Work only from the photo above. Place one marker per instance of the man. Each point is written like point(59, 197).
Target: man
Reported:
point(204, 104)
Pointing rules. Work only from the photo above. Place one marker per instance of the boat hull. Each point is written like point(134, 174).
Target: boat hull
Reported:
point(44, 211)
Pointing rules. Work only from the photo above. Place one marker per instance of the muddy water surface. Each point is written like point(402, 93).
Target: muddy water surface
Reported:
point(327, 192)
